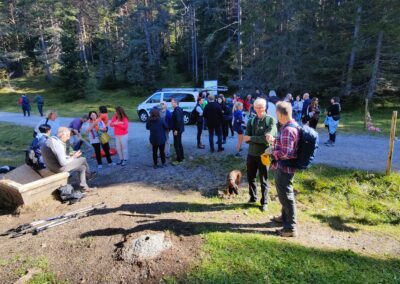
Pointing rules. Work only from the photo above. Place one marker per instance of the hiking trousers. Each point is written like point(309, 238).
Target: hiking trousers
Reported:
point(162, 153)
point(121, 143)
point(217, 130)
point(255, 165)
point(77, 165)
point(284, 188)
point(178, 147)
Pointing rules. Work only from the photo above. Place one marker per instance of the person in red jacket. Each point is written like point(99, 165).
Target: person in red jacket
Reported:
point(120, 124)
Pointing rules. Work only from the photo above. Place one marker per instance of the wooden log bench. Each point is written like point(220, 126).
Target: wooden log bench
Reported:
point(24, 186)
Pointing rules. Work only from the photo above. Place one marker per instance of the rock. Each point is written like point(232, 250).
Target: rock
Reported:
point(145, 247)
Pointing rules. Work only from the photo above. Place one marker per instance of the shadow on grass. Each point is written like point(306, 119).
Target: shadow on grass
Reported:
point(182, 228)
point(244, 258)
point(172, 207)
point(335, 222)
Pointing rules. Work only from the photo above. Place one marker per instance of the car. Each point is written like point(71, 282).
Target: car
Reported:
point(187, 98)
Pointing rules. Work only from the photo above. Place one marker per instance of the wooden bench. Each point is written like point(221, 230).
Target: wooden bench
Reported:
point(24, 186)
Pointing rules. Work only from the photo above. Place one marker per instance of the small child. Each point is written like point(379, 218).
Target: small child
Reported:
point(238, 125)
point(103, 115)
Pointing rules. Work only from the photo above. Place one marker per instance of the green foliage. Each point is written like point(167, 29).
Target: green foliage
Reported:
point(251, 258)
point(73, 75)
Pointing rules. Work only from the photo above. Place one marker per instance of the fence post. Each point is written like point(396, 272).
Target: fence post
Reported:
point(366, 114)
point(391, 143)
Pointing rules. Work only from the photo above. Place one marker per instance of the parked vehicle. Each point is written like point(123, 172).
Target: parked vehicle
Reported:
point(187, 98)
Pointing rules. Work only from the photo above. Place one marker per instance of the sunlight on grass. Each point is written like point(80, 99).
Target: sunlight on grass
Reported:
point(252, 258)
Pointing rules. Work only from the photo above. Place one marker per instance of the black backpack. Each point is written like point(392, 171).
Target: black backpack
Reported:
point(194, 115)
point(307, 147)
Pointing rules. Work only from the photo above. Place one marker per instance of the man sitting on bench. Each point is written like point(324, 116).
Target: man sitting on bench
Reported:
point(56, 159)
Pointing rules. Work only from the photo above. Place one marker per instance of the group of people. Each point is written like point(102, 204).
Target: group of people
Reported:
point(216, 114)
point(25, 104)
point(58, 148)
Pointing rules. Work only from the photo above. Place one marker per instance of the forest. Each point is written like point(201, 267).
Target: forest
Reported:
point(346, 48)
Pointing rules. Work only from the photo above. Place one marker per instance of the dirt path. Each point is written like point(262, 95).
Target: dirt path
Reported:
point(352, 151)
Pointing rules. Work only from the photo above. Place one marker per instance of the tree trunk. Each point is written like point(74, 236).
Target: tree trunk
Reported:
point(352, 58)
point(82, 49)
point(373, 81)
point(239, 44)
point(43, 46)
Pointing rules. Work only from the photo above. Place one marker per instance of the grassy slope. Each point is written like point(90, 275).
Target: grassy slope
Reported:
point(13, 141)
point(251, 258)
point(55, 98)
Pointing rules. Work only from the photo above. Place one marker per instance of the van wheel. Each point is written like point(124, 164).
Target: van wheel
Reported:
point(143, 116)
point(186, 118)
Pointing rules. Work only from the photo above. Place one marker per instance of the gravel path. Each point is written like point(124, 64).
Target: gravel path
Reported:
point(351, 151)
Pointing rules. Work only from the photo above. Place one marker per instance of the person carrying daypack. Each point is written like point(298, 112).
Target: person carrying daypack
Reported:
point(293, 149)
point(25, 105)
point(33, 156)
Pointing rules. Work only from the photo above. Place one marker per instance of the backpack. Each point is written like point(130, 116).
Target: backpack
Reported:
point(194, 115)
point(307, 147)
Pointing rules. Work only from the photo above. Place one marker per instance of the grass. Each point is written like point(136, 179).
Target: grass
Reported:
point(13, 141)
point(353, 122)
point(252, 258)
point(347, 200)
point(21, 265)
point(57, 98)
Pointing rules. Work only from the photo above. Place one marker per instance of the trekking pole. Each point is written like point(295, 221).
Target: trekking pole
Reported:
point(26, 228)
point(65, 220)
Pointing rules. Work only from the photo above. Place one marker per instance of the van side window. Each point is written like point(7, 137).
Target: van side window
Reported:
point(156, 98)
point(185, 98)
point(168, 97)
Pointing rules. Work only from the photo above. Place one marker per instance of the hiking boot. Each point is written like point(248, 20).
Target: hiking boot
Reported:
point(287, 233)
point(123, 163)
point(176, 163)
point(212, 150)
point(112, 164)
point(99, 167)
point(277, 219)
point(155, 166)
point(201, 146)
point(221, 149)
point(252, 201)
point(264, 207)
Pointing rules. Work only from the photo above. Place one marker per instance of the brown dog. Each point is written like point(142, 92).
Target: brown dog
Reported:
point(232, 182)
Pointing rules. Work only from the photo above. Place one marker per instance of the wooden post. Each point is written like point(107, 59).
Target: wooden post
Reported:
point(366, 114)
point(391, 143)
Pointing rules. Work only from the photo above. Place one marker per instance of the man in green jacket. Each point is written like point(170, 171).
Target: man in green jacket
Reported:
point(256, 130)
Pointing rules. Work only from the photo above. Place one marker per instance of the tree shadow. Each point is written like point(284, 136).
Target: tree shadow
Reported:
point(336, 222)
point(182, 228)
point(172, 207)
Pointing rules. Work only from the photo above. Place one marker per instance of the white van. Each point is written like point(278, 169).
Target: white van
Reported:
point(187, 98)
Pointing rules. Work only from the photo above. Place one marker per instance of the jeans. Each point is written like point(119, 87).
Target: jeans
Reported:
point(106, 148)
point(218, 131)
point(40, 109)
point(200, 125)
point(162, 153)
point(178, 147)
point(284, 187)
point(254, 164)
point(167, 144)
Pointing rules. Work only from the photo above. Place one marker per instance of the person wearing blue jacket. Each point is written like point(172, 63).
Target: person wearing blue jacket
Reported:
point(166, 115)
point(157, 127)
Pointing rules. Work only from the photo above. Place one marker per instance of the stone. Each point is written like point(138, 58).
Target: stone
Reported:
point(145, 247)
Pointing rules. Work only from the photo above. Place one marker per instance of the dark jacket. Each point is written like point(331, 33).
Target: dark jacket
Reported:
point(334, 111)
point(157, 131)
point(213, 114)
point(306, 103)
point(177, 120)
